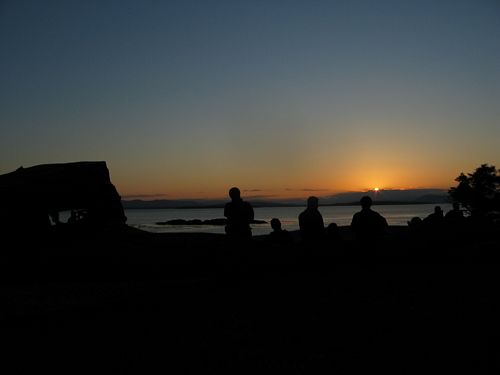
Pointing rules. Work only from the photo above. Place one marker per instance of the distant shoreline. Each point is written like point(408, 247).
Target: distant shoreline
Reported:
point(272, 205)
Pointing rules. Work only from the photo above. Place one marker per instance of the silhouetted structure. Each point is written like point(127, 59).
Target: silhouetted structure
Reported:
point(368, 224)
point(310, 221)
point(36, 192)
point(239, 215)
point(279, 235)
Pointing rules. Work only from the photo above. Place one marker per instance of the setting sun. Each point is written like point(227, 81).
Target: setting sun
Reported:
point(376, 189)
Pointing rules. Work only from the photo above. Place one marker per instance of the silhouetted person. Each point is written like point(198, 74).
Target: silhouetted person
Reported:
point(368, 224)
point(415, 226)
point(455, 215)
point(332, 232)
point(311, 222)
point(454, 221)
point(435, 219)
point(239, 215)
point(279, 235)
point(415, 222)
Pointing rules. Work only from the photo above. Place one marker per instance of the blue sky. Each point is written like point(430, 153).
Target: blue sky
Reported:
point(189, 98)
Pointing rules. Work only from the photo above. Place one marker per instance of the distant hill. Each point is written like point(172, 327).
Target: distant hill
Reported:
point(164, 203)
point(413, 196)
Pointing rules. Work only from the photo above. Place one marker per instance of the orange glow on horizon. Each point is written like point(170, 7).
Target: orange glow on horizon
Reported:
point(321, 179)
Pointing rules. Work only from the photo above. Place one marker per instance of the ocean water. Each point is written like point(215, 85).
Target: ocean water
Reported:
point(146, 219)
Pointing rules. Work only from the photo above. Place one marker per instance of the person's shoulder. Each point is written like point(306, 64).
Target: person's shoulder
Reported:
point(378, 216)
point(356, 218)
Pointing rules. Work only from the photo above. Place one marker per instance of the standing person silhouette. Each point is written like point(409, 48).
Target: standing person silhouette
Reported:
point(239, 215)
point(368, 224)
point(311, 222)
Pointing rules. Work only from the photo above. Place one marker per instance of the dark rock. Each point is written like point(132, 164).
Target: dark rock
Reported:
point(215, 222)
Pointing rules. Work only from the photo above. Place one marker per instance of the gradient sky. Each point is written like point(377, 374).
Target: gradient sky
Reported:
point(281, 98)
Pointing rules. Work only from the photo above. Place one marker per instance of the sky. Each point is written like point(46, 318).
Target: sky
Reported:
point(185, 99)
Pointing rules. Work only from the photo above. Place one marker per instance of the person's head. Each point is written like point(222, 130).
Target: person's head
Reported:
point(276, 224)
point(366, 202)
point(438, 210)
point(332, 230)
point(234, 193)
point(456, 206)
point(312, 202)
point(415, 221)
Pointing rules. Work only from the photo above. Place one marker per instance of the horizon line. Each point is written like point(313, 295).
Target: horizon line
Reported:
point(153, 197)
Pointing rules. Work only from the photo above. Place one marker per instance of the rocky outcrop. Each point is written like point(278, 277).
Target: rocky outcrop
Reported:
point(31, 194)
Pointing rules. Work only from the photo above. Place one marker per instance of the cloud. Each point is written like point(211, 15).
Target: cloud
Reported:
point(158, 195)
point(306, 189)
point(262, 196)
point(313, 190)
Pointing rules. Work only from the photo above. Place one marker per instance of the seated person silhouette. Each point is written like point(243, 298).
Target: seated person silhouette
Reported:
point(278, 235)
point(368, 224)
point(415, 223)
point(455, 215)
point(239, 215)
point(311, 222)
point(436, 218)
point(332, 232)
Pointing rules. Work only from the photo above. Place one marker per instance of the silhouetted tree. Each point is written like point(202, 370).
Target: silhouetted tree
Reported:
point(478, 192)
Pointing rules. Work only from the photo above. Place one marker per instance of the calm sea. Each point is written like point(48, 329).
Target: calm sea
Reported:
point(341, 215)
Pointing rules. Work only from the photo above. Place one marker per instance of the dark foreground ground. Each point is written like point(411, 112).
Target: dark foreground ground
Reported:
point(126, 300)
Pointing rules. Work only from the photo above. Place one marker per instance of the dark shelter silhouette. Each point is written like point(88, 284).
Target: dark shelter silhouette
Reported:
point(45, 190)
point(239, 215)
point(279, 235)
point(368, 224)
point(311, 222)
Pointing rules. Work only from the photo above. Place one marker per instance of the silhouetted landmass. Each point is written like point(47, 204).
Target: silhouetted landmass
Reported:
point(415, 196)
point(386, 203)
point(390, 195)
point(217, 222)
point(183, 204)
